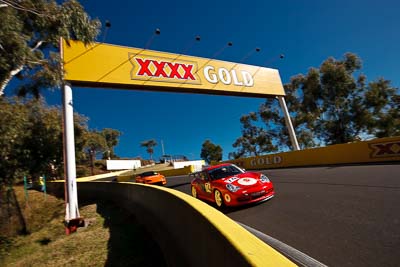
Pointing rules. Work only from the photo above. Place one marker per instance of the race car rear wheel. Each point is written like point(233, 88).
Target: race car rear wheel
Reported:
point(219, 200)
point(194, 192)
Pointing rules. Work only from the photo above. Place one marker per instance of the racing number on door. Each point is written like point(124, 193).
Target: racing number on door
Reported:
point(207, 187)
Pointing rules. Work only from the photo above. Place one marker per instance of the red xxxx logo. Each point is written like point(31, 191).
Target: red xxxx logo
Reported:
point(383, 150)
point(159, 69)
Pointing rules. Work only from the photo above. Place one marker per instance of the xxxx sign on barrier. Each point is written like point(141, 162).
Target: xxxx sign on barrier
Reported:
point(385, 149)
point(104, 65)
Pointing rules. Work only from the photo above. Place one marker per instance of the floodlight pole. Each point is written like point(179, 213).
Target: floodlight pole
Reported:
point(289, 124)
point(72, 217)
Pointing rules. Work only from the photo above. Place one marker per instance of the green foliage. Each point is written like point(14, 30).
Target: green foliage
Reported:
point(111, 136)
point(254, 140)
point(30, 31)
point(383, 114)
point(31, 139)
point(113, 237)
point(332, 104)
point(95, 143)
point(211, 152)
point(149, 144)
point(346, 106)
point(13, 131)
point(32, 143)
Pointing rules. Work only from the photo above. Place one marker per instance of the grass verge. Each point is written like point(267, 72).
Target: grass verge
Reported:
point(35, 235)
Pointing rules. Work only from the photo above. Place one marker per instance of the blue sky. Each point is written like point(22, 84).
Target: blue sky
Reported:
point(306, 32)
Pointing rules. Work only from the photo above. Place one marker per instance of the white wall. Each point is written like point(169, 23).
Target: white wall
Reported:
point(123, 164)
point(198, 164)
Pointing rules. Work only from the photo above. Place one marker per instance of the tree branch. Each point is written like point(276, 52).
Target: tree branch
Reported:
point(38, 44)
point(17, 70)
point(21, 7)
point(8, 79)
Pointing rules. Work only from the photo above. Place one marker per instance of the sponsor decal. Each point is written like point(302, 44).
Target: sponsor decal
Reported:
point(163, 69)
point(385, 150)
point(228, 77)
point(247, 181)
point(269, 160)
point(179, 71)
point(207, 187)
point(231, 180)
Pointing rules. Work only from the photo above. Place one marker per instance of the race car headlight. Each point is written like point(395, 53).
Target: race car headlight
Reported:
point(232, 188)
point(264, 179)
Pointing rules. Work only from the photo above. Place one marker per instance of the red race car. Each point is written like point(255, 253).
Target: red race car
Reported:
point(228, 185)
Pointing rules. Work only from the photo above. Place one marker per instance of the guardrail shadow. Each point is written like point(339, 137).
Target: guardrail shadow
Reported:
point(9, 207)
point(130, 243)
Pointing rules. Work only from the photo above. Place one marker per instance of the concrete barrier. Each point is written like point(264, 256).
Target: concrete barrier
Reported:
point(188, 231)
point(197, 164)
point(124, 177)
point(175, 172)
point(104, 176)
point(377, 150)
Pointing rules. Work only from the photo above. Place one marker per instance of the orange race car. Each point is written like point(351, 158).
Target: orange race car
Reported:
point(151, 177)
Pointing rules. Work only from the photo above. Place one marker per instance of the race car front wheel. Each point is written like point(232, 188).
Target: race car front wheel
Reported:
point(194, 192)
point(219, 201)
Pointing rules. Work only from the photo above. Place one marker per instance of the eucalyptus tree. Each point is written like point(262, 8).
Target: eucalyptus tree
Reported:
point(31, 139)
point(383, 109)
point(111, 136)
point(255, 140)
point(336, 103)
point(331, 104)
point(30, 31)
point(149, 145)
point(95, 143)
point(211, 152)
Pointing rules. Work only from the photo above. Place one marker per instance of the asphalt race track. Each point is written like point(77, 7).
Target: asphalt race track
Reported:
point(341, 216)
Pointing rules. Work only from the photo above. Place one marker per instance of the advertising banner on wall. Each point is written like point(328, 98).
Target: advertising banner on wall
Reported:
point(376, 150)
point(110, 66)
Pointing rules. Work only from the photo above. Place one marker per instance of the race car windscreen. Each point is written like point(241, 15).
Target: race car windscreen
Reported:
point(224, 171)
point(146, 174)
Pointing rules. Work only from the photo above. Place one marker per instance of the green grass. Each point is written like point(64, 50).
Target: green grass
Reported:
point(112, 238)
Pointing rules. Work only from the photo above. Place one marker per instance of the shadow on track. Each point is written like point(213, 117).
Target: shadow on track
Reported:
point(178, 185)
point(130, 243)
point(227, 210)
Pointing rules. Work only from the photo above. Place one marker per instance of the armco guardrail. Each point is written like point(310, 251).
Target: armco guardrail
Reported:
point(377, 150)
point(188, 231)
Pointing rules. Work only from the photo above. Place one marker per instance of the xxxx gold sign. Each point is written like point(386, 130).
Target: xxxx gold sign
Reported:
point(163, 69)
point(385, 150)
point(105, 65)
